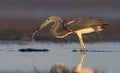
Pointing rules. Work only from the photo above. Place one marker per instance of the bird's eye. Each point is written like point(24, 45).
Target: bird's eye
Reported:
point(48, 19)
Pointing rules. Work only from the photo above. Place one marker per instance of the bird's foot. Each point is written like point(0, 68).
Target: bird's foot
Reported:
point(83, 50)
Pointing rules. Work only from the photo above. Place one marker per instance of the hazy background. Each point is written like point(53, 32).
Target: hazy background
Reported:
point(19, 18)
point(26, 9)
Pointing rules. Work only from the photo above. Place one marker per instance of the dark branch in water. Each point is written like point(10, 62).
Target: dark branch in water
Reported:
point(33, 50)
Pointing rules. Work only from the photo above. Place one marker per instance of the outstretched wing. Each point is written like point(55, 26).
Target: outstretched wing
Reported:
point(74, 24)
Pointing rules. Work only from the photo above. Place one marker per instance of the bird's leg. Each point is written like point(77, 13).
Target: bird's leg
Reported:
point(81, 42)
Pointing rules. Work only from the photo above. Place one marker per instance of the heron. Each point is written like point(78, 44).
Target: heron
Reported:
point(78, 26)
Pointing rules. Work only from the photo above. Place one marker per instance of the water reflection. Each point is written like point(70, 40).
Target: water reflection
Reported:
point(62, 68)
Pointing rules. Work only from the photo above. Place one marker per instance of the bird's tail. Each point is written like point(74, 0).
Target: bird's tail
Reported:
point(104, 26)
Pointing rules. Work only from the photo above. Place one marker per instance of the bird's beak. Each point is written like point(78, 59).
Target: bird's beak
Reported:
point(40, 27)
point(44, 24)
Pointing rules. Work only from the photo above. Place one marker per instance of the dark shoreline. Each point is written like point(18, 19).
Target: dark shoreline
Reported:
point(23, 29)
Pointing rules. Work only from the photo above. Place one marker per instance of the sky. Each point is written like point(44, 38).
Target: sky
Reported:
point(109, 9)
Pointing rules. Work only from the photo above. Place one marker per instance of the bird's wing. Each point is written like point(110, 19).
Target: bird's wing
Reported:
point(74, 24)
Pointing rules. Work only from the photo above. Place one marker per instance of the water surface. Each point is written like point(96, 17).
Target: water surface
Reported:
point(100, 57)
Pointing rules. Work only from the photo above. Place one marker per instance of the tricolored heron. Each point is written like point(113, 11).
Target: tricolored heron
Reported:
point(73, 25)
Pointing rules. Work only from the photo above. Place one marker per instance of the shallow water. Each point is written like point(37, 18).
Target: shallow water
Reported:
point(100, 57)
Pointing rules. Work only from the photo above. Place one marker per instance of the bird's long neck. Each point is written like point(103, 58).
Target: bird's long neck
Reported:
point(56, 26)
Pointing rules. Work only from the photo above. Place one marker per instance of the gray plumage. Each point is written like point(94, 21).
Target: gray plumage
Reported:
point(73, 25)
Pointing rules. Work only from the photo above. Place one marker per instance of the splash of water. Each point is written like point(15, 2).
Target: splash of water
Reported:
point(33, 36)
point(35, 33)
